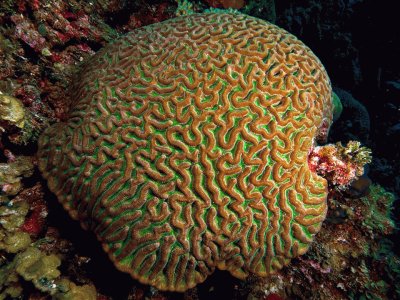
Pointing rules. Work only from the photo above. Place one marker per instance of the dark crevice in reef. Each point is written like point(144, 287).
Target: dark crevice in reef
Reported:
point(16, 149)
point(121, 16)
point(93, 45)
point(100, 269)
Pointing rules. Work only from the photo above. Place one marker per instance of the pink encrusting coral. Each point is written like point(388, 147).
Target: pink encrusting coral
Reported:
point(35, 221)
point(339, 164)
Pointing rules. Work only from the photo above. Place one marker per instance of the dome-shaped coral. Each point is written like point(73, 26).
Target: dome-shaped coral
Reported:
point(186, 149)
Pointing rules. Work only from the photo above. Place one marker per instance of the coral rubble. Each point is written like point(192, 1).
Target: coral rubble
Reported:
point(23, 251)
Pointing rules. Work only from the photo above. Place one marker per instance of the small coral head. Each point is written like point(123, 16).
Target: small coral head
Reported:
point(338, 164)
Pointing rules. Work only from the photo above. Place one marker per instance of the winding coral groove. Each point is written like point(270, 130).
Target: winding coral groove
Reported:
point(186, 149)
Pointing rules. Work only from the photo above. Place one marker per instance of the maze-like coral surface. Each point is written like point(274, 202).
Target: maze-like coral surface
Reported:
point(186, 149)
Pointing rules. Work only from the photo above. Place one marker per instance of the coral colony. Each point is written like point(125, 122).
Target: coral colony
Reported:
point(187, 149)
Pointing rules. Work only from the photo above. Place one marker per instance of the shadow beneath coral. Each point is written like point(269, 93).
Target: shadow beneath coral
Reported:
point(99, 269)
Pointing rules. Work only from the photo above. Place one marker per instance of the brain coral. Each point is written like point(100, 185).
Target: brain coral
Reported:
point(186, 149)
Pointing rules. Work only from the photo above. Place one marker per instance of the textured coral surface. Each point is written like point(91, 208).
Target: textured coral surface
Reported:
point(186, 149)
